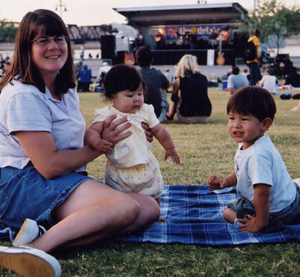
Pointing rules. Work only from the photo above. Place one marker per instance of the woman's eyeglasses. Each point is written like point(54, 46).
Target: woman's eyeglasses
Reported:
point(61, 40)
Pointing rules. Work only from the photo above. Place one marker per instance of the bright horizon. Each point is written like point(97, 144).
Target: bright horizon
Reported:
point(97, 12)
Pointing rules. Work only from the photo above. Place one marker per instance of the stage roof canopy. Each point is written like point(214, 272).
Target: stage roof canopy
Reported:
point(183, 14)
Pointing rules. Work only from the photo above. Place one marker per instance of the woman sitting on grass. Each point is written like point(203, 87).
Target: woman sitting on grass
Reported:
point(189, 96)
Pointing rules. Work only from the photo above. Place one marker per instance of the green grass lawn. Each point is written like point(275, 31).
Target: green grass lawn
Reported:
point(204, 150)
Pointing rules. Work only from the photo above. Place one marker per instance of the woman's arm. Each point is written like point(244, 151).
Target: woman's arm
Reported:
point(175, 92)
point(41, 149)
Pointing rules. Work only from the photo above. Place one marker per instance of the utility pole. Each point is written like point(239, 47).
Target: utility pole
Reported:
point(257, 10)
point(61, 7)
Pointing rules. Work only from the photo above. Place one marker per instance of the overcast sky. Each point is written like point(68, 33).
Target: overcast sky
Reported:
point(97, 12)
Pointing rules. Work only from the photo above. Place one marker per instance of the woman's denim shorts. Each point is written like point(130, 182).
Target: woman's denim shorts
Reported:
point(24, 193)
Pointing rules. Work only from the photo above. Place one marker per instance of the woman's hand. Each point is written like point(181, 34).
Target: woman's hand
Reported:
point(148, 133)
point(113, 129)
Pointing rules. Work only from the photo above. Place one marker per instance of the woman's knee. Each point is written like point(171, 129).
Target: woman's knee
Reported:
point(128, 211)
point(149, 209)
point(93, 193)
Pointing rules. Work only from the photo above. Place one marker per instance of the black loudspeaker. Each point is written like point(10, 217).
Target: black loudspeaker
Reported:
point(108, 46)
point(282, 58)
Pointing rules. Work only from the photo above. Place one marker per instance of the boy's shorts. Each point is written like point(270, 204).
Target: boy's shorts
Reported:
point(289, 215)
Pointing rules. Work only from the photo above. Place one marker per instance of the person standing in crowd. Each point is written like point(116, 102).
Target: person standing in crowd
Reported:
point(254, 65)
point(154, 79)
point(189, 97)
point(84, 78)
point(236, 80)
point(224, 35)
point(43, 157)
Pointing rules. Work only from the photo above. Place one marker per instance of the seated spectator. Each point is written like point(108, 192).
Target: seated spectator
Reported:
point(189, 96)
point(246, 72)
point(236, 80)
point(84, 78)
point(269, 81)
point(293, 78)
point(154, 81)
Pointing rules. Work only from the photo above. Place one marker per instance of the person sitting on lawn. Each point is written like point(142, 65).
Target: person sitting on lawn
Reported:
point(293, 78)
point(154, 81)
point(189, 96)
point(131, 166)
point(269, 81)
point(267, 196)
point(236, 80)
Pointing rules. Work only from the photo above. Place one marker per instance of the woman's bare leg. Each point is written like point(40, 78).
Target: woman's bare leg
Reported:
point(149, 213)
point(172, 111)
point(160, 219)
point(93, 212)
point(297, 108)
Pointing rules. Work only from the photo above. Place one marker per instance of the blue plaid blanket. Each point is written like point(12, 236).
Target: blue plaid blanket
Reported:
point(194, 216)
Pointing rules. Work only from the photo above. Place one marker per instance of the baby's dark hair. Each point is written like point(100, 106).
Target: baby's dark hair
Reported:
point(121, 77)
point(254, 101)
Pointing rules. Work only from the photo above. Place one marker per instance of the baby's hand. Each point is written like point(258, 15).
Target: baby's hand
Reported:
point(104, 146)
point(173, 154)
point(215, 182)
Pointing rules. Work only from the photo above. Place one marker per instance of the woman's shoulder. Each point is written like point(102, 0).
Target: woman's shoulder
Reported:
point(199, 76)
point(16, 87)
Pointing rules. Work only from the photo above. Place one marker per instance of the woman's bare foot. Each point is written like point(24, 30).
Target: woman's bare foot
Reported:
point(161, 219)
point(169, 117)
point(296, 108)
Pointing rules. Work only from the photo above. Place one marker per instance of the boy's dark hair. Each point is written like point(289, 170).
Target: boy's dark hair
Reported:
point(254, 101)
point(121, 77)
point(144, 56)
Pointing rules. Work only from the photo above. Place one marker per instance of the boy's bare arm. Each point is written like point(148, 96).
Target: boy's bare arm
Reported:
point(164, 138)
point(214, 182)
point(261, 201)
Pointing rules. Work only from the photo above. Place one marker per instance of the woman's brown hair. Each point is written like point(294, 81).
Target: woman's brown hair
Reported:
point(23, 68)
